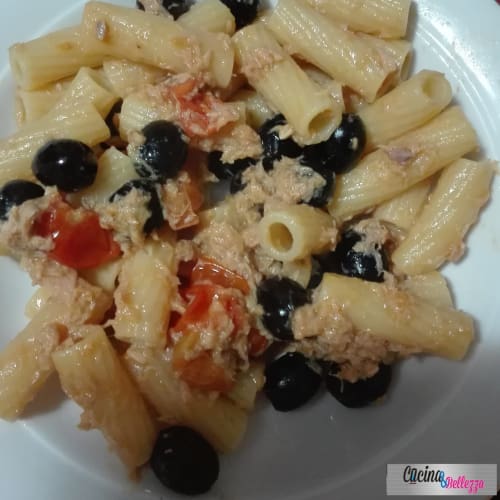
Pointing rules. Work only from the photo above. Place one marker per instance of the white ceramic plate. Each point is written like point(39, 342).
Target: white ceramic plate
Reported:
point(438, 411)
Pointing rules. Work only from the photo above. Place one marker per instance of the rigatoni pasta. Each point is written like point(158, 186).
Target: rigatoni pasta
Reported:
point(256, 108)
point(25, 363)
point(397, 316)
point(408, 106)
point(110, 30)
point(296, 232)
point(125, 77)
point(384, 18)
point(32, 104)
point(403, 209)
point(142, 316)
point(209, 15)
point(339, 53)
point(92, 375)
point(114, 169)
point(453, 206)
point(308, 108)
point(88, 87)
point(16, 152)
point(159, 291)
point(50, 58)
point(220, 421)
point(403, 162)
point(431, 287)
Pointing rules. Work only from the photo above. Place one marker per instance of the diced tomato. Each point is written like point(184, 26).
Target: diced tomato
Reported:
point(257, 343)
point(79, 240)
point(185, 269)
point(197, 309)
point(201, 372)
point(209, 270)
point(198, 115)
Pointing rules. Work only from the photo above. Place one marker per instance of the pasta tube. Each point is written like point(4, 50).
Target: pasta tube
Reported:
point(396, 52)
point(92, 375)
point(403, 209)
point(295, 232)
point(33, 104)
point(209, 15)
point(437, 236)
point(398, 316)
point(247, 385)
point(402, 163)
point(125, 77)
point(25, 363)
point(50, 58)
point(408, 106)
point(341, 54)
point(431, 287)
point(334, 88)
point(111, 30)
point(384, 18)
point(39, 298)
point(220, 421)
point(104, 276)
point(83, 123)
point(114, 169)
point(88, 87)
point(146, 289)
point(308, 108)
point(257, 110)
point(139, 109)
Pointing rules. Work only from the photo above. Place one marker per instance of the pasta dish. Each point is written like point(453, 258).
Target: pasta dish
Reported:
point(218, 200)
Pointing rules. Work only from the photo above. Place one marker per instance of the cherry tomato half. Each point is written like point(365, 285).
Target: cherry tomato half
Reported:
point(79, 240)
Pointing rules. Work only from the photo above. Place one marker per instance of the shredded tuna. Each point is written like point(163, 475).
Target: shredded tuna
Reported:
point(86, 303)
point(15, 232)
point(288, 182)
point(126, 217)
point(259, 62)
point(222, 243)
point(322, 331)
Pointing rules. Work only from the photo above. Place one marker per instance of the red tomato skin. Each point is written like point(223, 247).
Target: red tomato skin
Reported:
point(79, 240)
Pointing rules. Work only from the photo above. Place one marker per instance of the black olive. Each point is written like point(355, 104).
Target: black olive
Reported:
point(163, 152)
point(155, 220)
point(223, 170)
point(68, 164)
point(274, 147)
point(341, 150)
point(316, 273)
point(237, 183)
point(321, 264)
point(244, 11)
point(359, 264)
point(360, 393)
point(184, 461)
point(349, 262)
point(323, 194)
point(174, 7)
point(110, 118)
point(290, 381)
point(279, 297)
point(15, 193)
